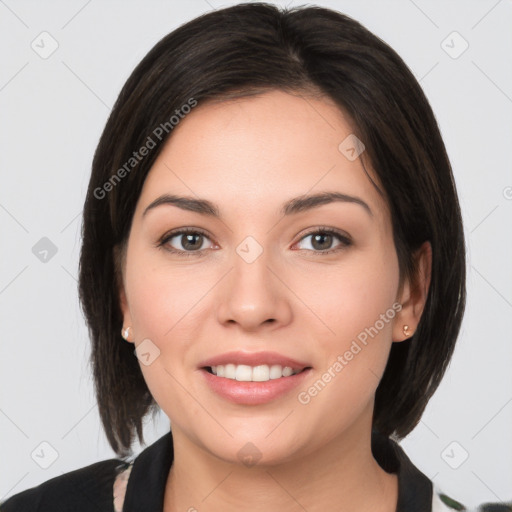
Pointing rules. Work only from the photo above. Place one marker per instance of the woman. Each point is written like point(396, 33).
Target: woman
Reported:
point(273, 255)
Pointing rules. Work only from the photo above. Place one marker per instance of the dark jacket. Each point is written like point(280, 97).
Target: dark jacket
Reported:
point(90, 489)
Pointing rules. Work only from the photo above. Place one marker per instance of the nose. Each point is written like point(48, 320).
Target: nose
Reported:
point(254, 295)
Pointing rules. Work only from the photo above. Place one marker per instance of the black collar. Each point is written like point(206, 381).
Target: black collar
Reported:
point(146, 485)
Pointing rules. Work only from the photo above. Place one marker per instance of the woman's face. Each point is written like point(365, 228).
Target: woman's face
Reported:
point(261, 284)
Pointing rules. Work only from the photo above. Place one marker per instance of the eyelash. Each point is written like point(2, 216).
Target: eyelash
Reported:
point(344, 239)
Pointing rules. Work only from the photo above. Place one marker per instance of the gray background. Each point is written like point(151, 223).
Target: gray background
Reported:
point(52, 112)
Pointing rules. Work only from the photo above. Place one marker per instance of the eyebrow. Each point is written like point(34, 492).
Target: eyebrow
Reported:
point(292, 206)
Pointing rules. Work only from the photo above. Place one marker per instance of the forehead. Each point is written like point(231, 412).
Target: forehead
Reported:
point(258, 151)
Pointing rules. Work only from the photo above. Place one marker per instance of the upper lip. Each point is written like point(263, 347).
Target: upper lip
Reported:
point(254, 359)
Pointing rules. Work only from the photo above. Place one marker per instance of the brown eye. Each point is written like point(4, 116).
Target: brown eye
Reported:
point(184, 241)
point(322, 241)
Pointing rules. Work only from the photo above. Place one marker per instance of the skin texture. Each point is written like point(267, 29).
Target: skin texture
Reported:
point(249, 156)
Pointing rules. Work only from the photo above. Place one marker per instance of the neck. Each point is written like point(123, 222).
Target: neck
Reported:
point(342, 475)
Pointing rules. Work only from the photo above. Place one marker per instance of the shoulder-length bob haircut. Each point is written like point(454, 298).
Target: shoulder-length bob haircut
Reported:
point(244, 50)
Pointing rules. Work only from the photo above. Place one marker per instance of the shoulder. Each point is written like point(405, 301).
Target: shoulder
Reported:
point(415, 490)
point(84, 489)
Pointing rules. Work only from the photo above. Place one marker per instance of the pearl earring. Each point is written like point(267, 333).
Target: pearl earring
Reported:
point(406, 331)
point(125, 333)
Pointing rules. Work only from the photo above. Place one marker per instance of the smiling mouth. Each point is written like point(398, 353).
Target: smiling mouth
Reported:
point(260, 373)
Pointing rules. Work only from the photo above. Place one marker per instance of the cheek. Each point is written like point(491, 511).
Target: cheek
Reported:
point(358, 314)
point(162, 311)
point(161, 297)
point(357, 308)
point(166, 307)
point(352, 298)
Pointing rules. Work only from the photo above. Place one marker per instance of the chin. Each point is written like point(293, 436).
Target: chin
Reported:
point(253, 454)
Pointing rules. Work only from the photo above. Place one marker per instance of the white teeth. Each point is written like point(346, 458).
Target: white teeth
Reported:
point(245, 373)
point(276, 371)
point(287, 371)
point(230, 371)
point(261, 373)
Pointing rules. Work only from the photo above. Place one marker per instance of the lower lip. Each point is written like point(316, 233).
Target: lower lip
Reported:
point(253, 393)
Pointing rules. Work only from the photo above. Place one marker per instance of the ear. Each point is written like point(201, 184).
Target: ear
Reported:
point(413, 295)
point(123, 301)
